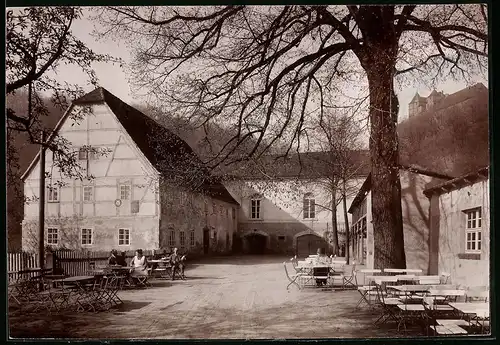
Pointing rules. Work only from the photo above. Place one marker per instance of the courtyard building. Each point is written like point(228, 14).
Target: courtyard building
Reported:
point(142, 187)
point(446, 139)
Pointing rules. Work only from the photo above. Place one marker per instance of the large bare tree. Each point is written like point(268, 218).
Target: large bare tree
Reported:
point(266, 71)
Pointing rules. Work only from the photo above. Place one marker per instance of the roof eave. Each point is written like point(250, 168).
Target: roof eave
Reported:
point(49, 139)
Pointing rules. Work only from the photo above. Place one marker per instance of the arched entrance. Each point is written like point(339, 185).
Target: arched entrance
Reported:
point(255, 242)
point(308, 243)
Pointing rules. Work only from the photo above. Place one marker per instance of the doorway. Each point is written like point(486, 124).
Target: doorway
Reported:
point(256, 243)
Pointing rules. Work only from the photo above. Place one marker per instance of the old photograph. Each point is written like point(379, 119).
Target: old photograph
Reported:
point(248, 172)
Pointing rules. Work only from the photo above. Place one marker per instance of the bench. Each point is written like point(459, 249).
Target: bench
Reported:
point(448, 330)
point(457, 322)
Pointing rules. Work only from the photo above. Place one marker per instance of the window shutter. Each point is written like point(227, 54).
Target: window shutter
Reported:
point(134, 206)
point(305, 208)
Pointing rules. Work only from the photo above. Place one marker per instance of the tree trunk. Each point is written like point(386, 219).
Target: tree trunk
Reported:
point(335, 236)
point(346, 221)
point(378, 60)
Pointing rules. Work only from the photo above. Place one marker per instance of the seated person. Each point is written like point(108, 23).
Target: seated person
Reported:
point(321, 259)
point(178, 263)
point(112, 259)
point(139, 265)
point(120, 259)
point(164, 255)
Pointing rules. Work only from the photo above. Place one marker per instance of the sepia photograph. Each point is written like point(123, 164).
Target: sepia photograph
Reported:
point(248, 172)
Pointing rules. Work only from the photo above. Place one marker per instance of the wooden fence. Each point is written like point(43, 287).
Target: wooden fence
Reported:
point(74, 263)
point(20, 261)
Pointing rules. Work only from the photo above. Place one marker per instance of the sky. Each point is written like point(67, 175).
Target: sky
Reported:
point(114, 78)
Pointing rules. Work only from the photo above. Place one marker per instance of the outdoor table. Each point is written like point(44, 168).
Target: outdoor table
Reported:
point(123, 271)
point(446, 293)
point(85, 294)
point(384, 279)
point(412, 270)
point(410, 291)
point(481, 309)
point(162, 270)
point(393, 270)
point(308, 269)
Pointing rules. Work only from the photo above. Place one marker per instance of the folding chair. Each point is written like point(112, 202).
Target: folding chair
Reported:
point(142, 281)
point(349, 278)
point(389, 305)
point(445, 277)
point(292, 278)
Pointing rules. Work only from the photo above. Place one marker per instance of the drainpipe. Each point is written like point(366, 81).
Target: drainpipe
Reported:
point(41, 214)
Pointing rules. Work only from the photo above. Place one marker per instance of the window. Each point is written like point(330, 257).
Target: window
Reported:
point(171, 239)
point(473, 231)
point(182, 238)
point(123, 237)
point(233, 213)
point(52, 236)
point(124, 191)
point(52, 194)
point(134, 206)
point(88, 193)
point(281, 238)
point(86, 236)
point(255, 207)
point(191, 238)
point(83, 154)
point(309, 209)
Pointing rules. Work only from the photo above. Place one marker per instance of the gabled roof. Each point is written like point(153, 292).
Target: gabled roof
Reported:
point(367, 184)
point(417, 98)
point(169, 154)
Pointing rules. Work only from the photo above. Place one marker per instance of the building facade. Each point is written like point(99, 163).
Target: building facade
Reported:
point(287, 215)
point(446, 136)
point(460, 229)
point(126, 198)
point(415, 210)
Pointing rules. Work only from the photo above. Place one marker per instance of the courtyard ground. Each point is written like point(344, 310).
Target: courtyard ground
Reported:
point(232, 297)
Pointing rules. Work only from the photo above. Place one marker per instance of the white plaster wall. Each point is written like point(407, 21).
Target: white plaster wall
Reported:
point(283, 201)
point(123, 164)
point(466, 272)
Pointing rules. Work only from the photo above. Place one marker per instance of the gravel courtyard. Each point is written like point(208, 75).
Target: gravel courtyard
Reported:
point(232, 297)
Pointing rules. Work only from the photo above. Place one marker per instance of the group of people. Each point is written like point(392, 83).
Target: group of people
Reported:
point(117, 259)
point(139, 263)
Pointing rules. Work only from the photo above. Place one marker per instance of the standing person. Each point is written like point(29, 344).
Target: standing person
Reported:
point(112, 259)
point(174, 262)
point(139, 265)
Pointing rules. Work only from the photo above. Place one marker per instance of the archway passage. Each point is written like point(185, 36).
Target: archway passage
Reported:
point(256, 243)
point(309, 244)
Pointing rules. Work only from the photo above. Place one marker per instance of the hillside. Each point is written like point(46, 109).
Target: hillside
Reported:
point(20, 153)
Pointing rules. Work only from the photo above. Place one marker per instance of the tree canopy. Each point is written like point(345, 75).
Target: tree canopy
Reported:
point(271, 71)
